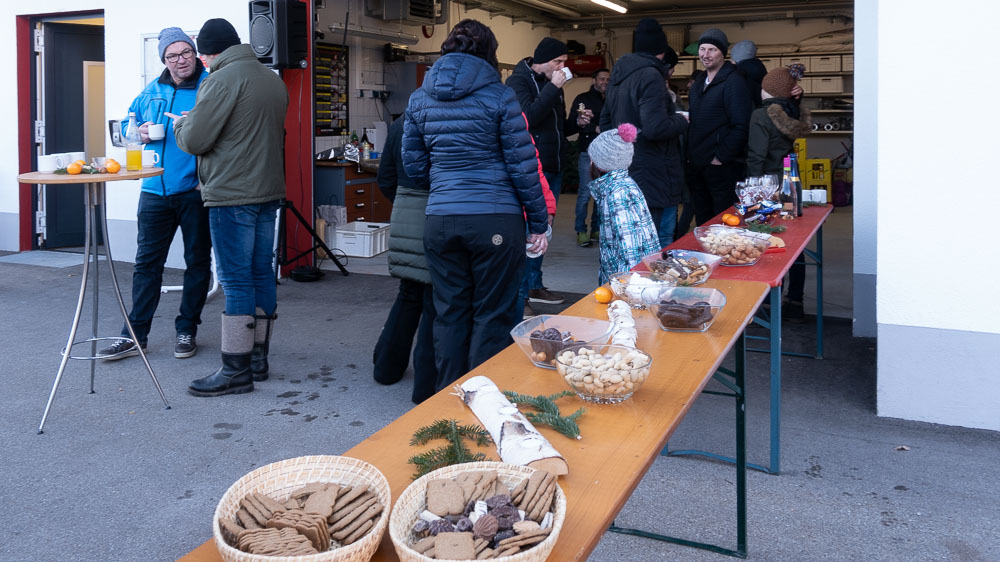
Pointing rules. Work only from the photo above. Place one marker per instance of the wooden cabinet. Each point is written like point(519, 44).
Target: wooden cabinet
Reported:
point(358, 192)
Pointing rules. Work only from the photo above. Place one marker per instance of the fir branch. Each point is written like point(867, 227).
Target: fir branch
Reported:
point(548, 411)
point(766, 228)
point(455, 452)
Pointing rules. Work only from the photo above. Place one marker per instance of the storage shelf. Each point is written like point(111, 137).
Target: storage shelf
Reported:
point(831, 95)
point(831, 133)
point(819, 111)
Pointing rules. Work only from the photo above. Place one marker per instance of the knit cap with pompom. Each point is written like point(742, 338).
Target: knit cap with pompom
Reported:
point(613, 150)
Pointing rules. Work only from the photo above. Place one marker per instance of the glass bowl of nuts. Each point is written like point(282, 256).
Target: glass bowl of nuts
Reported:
point(603, 374)
point(736, 246)
point(688, 309)
point(637, 288)
point(687, 267)
point(542, 337)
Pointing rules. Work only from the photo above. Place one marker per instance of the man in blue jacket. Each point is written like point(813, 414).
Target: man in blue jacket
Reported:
point(169, 201)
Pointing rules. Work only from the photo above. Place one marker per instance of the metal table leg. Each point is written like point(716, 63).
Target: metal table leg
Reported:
point(738, 386)
point(94, 196)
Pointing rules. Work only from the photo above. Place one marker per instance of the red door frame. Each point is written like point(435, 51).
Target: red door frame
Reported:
point(299, 150)
point(25, 126)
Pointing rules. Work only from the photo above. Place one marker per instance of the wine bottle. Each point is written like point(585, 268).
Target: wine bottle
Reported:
point(796, 183)
point(789, 201)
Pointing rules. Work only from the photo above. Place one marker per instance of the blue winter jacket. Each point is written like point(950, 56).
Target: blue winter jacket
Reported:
point(466, 137)
point(180, 169)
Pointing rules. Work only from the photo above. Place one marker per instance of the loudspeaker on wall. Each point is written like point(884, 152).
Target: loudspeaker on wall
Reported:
point(279, 32)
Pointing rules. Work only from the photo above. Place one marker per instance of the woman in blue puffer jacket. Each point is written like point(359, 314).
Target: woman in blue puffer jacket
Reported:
point(465, 137)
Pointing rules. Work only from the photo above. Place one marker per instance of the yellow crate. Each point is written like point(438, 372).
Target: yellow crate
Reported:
point(800, 150)
point(818, 174)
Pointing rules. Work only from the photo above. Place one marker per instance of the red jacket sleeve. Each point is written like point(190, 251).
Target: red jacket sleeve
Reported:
point(550, 199)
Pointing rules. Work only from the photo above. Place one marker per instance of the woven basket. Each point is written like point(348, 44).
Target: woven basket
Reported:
point(413, 500)
point(280, 479)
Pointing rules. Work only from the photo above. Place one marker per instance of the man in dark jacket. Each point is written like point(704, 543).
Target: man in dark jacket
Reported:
point(591, 102)
point(744, 56)
point(717, 137)
point(538, 83)
point(638, 94)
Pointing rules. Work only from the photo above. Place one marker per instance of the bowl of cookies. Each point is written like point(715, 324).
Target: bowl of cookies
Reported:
point(688, 309)
point(736, 246)
point(478, 510)
point(542, 337)
point(315, 508)
point(604, 374)
point(687, 267)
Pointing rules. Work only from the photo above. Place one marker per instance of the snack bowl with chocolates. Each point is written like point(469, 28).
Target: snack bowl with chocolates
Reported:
point(688, 309)
point(542, 337)
point(313, 508)
point(736, 246)
point(688, 267)
point(604, 374)
point(478, 510)
point(637, 288)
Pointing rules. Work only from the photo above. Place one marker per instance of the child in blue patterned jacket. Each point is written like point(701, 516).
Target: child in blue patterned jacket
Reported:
point(627, 229)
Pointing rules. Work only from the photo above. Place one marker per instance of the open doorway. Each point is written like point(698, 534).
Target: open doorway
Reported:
point(68, 116)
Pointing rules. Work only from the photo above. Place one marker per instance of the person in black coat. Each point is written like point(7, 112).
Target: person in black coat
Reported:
point(638, 94)
point(744, 56)
point(538, 83)
point(716, 141)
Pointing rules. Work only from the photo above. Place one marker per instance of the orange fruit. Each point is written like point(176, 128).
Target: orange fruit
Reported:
point(112, 166)
point(731, 220)
point(80, 162)
point(74, 169)
point(603, 295)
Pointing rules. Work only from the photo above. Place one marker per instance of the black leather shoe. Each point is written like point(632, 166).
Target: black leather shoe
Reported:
point(235, 377)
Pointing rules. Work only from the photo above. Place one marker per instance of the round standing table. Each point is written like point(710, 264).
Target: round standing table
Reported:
point(93, 199)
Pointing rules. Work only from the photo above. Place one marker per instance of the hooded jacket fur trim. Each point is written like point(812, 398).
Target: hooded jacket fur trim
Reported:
point(789, 126)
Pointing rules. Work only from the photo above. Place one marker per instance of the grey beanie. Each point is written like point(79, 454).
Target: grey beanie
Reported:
point(171, 35)
point(715, 36)
point(612, 150)
point(744, 50)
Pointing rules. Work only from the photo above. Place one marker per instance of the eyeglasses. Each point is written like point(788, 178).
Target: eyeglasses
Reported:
point(186, 54)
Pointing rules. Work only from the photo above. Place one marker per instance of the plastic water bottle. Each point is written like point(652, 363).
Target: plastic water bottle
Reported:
point(133, 145)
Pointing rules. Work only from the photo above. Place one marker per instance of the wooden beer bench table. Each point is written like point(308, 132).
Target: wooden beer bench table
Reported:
point(771, 269)
point(619, 442)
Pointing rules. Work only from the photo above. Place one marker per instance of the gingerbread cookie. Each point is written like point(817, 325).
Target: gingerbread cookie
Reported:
point(454, 546)
point(445, 497)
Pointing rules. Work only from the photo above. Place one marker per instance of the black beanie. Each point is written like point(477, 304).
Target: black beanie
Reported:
point(715, 36)
point(548, 49)
point(670, 59)
point(216, 36)
point(649, 37)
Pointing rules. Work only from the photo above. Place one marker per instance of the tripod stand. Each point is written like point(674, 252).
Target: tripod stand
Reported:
point(283, 258)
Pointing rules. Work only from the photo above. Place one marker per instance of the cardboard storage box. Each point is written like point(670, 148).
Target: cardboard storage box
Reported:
point(684, 68)
point(847, 63)
point(824, 63)
point(360, 239)
point(828, 85)
point(806, 84)
point(803, 60)
point(770, 63)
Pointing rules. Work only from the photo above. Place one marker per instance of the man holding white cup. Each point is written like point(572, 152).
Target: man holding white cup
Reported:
point(168, 201)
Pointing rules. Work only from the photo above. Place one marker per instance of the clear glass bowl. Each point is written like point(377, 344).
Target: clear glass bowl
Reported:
point(736, 246)
point(638, 288)
point(542, 352)
point(583, 368)
point(694, 268)
point(688, 309)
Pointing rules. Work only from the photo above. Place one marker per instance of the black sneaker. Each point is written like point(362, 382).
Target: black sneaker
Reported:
point(793, 310)
point(545, 296)
point(121, 349)
point(185, 346)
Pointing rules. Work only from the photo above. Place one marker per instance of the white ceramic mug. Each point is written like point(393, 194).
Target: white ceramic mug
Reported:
point(569, 73)
point(548, 235)
point(150, 158)
point(48, 163)
point(74, 156)
point(156, 131)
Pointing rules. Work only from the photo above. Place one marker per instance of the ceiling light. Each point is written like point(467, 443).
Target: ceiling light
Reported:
point(375, 33)
point(619, 7)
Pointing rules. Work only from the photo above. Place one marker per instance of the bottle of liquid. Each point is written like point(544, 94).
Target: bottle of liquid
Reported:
point(343, 138)
point(133, 145)
point(796, 183)
point(789, 201)
point(354, 138)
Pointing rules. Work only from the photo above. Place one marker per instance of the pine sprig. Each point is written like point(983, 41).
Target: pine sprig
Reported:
point(549, 412)
point(455, 452)
point(766, 228)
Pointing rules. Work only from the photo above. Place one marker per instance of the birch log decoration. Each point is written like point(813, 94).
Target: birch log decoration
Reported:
point(517, 441)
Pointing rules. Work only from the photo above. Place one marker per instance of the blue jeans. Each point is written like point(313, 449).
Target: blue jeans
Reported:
point(243, 236)
point(533, 266)
point(583, 198)
point(665, 220)
point(158, 219)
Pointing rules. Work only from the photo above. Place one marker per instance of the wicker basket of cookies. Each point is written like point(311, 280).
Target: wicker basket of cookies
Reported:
point(309, 509)
point(479, 510)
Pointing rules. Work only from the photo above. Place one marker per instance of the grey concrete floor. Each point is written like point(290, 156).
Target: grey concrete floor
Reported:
point(118, 477)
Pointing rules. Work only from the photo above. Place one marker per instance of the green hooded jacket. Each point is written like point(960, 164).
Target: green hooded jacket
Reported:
point(236, 129)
